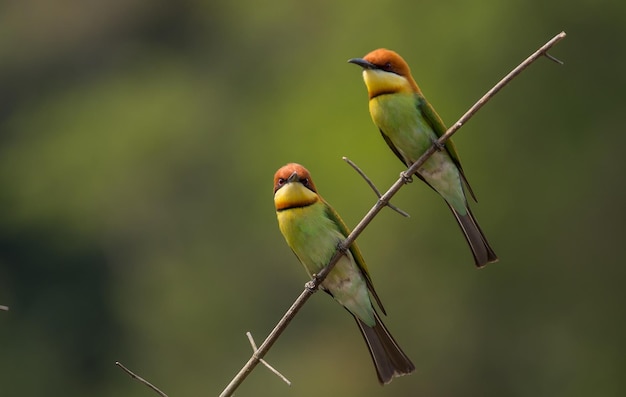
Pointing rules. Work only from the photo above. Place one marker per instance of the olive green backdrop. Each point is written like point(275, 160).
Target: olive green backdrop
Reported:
point(138, 140)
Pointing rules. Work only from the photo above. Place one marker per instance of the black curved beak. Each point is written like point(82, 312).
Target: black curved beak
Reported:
point(362, 63)
point(293, 177)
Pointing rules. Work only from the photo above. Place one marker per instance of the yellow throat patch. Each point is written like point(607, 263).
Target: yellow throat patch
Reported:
point(294, 195)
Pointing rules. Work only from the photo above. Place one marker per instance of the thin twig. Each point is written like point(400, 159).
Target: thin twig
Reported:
point(550, 57)
point(310, 289)
point(313, 285)
point(4, 308)
point(254, 348)
point(374, 188)
point(140, 379)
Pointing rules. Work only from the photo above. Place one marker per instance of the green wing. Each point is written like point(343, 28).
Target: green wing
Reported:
point(439, 128)
point(393, 147)
point(356, 253)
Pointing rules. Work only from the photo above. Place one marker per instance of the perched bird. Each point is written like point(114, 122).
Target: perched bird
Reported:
point(410, 125)
point(313, 230)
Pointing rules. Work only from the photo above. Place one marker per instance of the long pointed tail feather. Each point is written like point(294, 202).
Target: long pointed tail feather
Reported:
point(483, 254)
point(389, 360)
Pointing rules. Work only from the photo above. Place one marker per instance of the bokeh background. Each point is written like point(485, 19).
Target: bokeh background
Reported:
point(138, 140)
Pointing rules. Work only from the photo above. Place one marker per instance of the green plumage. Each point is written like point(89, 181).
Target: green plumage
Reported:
point(313, 230)
point(410, 126)
point(407, 125)
point(313, 233)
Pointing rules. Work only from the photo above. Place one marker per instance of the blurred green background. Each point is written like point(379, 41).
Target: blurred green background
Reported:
point(138, 140)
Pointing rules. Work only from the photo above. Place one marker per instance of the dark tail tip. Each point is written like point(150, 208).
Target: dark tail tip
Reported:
point(482, 251)
point(389, 359)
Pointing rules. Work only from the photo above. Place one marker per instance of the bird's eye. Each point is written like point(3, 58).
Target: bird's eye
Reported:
point(281, 181)
point(305, 181)
point(388, 66)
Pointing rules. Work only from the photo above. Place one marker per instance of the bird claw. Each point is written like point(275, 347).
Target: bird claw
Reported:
point(310, 285)
point(439, 146)
point(406, 178)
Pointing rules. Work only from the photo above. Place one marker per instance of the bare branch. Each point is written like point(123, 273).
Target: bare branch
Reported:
point(310, 288)
point(374, 188)
point(140, 379)
point(383, 201)
point(254, 348)
point(4, 308)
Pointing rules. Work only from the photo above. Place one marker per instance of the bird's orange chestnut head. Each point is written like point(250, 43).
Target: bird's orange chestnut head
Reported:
point(388, 61)
point(380, 70)
point(293, 187)
point(293, 172)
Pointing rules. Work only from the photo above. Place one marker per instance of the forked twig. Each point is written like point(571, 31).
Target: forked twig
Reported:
point(254, 349)
point(374, 188)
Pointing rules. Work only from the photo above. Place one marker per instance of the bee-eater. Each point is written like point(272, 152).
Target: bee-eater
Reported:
point(410, 125)
point(313, 231)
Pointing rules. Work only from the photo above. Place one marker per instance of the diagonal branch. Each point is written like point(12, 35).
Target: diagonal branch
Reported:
point(383, 201)
point(406, 175)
